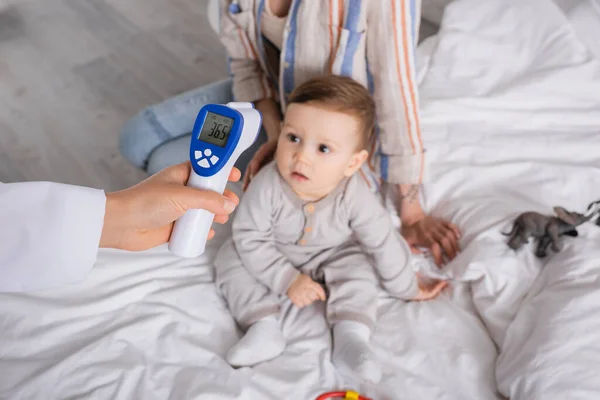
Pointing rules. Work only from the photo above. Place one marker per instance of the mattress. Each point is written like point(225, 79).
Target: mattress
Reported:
point(510, 102)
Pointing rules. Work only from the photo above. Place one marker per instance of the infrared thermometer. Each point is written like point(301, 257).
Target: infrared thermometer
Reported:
point(221, 133)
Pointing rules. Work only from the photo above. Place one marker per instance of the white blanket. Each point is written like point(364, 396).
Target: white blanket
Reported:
point(510, 99)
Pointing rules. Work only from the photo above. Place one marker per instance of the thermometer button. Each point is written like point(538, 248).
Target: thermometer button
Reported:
point(207, 152)
point(198, 154)
point(204, 163)
point(214, 159)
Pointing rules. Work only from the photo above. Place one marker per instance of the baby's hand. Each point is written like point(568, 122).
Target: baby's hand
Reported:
point(429, 288)
point(304, 291)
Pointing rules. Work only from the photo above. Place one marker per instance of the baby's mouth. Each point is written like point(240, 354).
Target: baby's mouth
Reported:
point(299, 177)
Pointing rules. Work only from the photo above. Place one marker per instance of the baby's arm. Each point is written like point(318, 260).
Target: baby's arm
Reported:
point(375, 231)
point(253, 234)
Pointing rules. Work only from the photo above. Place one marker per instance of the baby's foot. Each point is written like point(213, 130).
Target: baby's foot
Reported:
point(352, 353)
point(262, 342)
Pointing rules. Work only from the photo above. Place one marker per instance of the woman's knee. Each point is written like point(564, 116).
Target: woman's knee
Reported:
point(173, 152)
point(139, 136)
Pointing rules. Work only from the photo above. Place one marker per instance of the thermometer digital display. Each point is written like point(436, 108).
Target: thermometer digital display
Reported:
point(216, 129)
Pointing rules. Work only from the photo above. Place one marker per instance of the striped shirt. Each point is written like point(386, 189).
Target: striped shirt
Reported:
point(372, 41)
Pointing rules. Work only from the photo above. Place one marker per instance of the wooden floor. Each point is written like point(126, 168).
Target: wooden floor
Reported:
point(73, 71)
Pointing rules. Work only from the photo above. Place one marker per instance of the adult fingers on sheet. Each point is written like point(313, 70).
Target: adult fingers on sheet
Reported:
point(449, 242)
point(455, 229)
point(454, 233)
point(446, 238)
point(436, 251)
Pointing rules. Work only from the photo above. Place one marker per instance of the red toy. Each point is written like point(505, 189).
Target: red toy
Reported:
point(349, 395)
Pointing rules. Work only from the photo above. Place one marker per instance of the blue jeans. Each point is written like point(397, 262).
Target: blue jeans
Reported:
point(159, 136)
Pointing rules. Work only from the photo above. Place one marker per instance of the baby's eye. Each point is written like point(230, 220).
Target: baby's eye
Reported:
point(324, 149)
point(293, 138)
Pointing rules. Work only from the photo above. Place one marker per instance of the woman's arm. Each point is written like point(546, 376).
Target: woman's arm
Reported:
point(408, 204)
point(392, 37)
point(391, 40)
point(250, 82)
point(271, 117)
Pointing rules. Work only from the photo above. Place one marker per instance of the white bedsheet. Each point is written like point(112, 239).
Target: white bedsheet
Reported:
point(511, 119)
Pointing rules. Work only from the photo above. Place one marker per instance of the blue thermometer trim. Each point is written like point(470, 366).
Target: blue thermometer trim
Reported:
point(221, 153)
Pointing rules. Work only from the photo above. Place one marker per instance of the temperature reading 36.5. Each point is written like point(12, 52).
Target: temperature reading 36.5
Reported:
point(216, 129)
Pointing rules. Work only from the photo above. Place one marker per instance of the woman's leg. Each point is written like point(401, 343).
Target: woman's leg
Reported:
point(167, 121)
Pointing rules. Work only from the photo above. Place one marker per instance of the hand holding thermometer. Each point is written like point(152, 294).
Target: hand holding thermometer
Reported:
point(221, 133)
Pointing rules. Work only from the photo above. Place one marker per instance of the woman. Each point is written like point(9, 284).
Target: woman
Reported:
point(274, 45)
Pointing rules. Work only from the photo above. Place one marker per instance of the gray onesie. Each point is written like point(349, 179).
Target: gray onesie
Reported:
point(336, 240)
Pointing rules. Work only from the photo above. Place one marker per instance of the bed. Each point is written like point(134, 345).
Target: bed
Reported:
point(510, 94)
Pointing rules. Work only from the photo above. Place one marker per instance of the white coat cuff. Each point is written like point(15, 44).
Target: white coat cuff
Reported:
point(50, 235)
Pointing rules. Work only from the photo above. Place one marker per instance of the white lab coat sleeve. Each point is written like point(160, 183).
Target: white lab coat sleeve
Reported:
point(49, 234)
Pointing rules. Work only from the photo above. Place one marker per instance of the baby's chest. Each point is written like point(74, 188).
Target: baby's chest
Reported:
point(311, 227)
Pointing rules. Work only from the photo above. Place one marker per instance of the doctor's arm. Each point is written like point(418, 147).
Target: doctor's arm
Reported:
point(50, 232)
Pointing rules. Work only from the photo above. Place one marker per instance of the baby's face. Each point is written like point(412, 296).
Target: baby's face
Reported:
point(317, 148)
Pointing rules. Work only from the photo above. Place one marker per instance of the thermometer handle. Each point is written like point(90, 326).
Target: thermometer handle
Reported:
point(190, 232)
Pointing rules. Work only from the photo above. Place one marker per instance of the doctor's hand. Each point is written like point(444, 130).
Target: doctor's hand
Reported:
point(142, 216)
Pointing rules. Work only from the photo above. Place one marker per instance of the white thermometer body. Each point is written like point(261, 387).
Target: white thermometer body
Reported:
point(221, 133)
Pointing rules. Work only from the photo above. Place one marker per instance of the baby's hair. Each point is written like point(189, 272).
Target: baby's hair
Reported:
point(343, 94)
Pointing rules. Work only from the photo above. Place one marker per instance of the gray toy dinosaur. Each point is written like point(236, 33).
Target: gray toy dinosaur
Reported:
point(547, 229)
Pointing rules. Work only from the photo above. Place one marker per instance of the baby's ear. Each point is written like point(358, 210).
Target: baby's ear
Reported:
point(356, 162)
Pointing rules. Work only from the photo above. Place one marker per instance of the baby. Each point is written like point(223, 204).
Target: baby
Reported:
point(309, 218)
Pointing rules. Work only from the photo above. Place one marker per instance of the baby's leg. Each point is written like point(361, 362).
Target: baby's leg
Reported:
point(352, 310)
point(254, 307)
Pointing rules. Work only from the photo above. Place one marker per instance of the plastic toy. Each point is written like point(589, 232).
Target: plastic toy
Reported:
point(349, 395)
point(548, 229)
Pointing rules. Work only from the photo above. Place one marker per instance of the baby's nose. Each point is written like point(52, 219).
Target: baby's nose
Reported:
point(303, 155)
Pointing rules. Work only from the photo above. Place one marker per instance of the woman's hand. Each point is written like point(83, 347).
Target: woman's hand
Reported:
point(263, 156)
point(271, 122)
point(142, 216)
point(438, 235)
point(420, 230)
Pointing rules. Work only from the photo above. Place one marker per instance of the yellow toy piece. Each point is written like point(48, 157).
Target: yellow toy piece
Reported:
point(351, 395)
